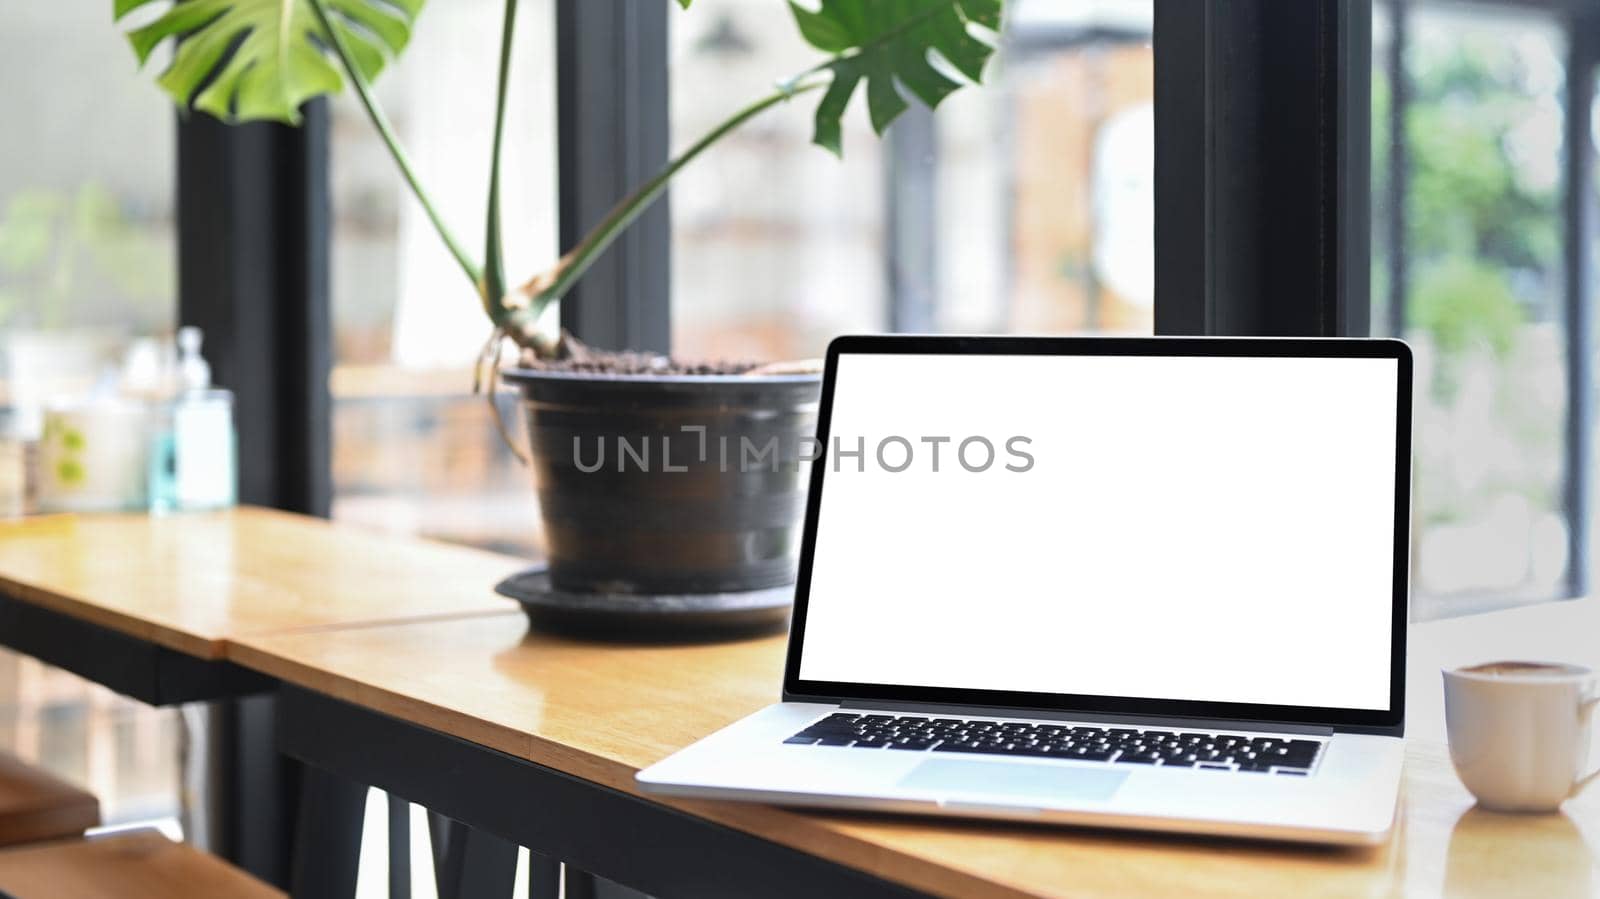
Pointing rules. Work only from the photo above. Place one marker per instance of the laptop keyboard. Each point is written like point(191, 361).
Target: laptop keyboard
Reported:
point(1115, 745)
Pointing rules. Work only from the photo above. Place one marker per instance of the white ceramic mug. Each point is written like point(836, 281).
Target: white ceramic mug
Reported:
point(1519, 732)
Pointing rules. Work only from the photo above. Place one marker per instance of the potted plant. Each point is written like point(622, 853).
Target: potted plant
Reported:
point(698, 489)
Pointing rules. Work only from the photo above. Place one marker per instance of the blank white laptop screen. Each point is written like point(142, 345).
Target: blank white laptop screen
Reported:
point(1194, 528)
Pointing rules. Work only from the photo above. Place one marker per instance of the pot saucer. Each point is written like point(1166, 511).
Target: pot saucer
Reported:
point(636, 616)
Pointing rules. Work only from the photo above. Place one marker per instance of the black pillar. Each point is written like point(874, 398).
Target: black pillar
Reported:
point(1399, 164)
point(253, 229)
point(1262, 166)
point(611, 101)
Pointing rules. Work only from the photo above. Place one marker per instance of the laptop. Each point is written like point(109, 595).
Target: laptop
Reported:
point(1129, 583)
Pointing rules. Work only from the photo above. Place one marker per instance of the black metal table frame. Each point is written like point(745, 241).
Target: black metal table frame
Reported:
point(618, 836)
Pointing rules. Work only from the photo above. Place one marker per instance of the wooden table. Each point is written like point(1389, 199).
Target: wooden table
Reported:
point(193, 582)
point(147, 606)
point(491, 724)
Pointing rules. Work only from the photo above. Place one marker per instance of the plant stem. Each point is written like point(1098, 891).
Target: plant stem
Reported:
point(494, 267)
point(552, 285)
point(381, 123)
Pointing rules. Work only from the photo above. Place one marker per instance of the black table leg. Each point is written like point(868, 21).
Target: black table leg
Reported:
point(327, 844)
point(251, 790)
point(470, 863)
point(581, 884)
point(544, 876)
point(399, 848)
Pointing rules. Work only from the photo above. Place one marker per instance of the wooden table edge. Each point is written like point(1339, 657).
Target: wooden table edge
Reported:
point(213, 648)
point(210, 649)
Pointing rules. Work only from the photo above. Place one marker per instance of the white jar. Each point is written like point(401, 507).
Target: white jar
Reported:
point(93, 457)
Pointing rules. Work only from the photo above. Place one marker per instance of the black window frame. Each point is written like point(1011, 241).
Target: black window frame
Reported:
point(253, 242)
point(1262, 175)
point(611, 57)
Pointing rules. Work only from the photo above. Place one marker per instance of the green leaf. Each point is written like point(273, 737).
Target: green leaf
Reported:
point(248, 60)
point(884, 103)
point(685, 3)
point(821, 31)
point(890, 44)
point(828, 132)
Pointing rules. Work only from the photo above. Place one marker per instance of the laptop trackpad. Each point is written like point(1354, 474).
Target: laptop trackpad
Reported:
point(1023, 781)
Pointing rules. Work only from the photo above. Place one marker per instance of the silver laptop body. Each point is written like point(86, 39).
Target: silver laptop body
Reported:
point(1154, 583)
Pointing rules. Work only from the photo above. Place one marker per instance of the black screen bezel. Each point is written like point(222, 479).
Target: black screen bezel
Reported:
point(1390, 720)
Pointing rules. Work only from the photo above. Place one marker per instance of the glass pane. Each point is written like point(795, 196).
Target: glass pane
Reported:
point(414, 450)
point(1479, 295)
point(1046, 177)
point(1023, 205)
point(86, 265)
point(86, 224)
point(776, 245)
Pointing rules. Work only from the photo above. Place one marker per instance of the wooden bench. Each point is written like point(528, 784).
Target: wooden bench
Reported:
point(36, 805)
point(135, 865)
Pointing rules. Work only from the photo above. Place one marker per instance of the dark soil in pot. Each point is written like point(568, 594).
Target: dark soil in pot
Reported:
point(662, 477)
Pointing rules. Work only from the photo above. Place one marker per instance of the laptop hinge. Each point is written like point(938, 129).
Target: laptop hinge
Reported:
point(1092, 717)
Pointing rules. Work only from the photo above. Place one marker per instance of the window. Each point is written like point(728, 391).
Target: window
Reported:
point(413, 449)
point(86, 224)
point(777, 246)
point(1468, 266)
point(86, 263)
point(1045, 178)
point(1026, 205)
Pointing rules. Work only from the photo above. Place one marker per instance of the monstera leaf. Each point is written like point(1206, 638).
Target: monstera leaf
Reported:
point(887, 43)
point(244, 60)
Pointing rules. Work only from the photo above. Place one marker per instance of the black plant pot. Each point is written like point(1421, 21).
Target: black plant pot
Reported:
point(637, 498)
